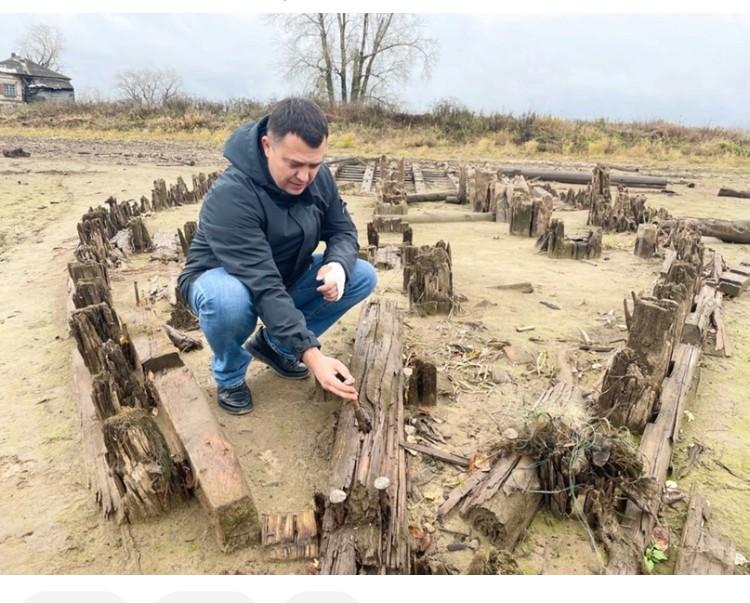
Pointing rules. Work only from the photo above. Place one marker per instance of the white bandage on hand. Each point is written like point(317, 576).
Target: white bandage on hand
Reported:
point(337, 275)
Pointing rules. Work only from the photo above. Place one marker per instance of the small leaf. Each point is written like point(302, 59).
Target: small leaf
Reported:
point(649, 564)
point(658, 555)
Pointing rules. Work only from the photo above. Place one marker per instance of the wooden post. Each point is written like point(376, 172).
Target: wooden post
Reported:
point(364, 531)
point(430, 286)
point(646, 242)
point(422, 388)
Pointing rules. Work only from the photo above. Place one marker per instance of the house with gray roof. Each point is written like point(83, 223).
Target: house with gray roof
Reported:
point(23, 81)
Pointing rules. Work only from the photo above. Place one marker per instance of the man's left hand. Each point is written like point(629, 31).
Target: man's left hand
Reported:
point(333, 277)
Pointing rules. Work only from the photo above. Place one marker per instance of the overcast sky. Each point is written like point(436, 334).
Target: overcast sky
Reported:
point(687, 68)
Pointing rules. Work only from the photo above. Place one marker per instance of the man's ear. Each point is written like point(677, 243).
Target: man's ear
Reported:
point(266, 143)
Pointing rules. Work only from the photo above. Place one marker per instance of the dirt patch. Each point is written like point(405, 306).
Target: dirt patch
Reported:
point(51, 522)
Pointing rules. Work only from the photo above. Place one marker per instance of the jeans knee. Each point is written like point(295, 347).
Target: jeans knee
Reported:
point(365, 277)
point(222, 301)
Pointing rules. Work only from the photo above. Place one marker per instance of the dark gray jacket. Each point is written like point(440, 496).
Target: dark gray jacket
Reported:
point(266, 237)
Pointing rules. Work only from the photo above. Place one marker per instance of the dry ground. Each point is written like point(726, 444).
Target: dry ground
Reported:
point(51, 524)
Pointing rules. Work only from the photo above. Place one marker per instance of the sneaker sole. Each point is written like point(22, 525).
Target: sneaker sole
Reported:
point(260, 356)
point(236, 411)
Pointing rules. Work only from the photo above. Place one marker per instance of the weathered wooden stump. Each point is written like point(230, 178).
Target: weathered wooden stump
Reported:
point(529, 217)
point(373, 237)
point(430, 280)
point(631, 385)
point(576, 247)
point(186, 235)
point(142, 464)
point(480, 191)
point(139, 236)
point(422, 383)
point(646, 241)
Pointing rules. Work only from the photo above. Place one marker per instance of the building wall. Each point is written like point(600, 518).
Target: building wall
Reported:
point(8, 78)
point(55, 96)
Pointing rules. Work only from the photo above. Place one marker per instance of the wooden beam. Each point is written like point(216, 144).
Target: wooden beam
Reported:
point(419, 185)
point(367, 178)
point(703, 551)
point(220, 484)
point(446, 216)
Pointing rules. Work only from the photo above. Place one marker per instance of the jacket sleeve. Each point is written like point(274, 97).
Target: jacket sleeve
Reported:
point(234, 232)
point(338, 231)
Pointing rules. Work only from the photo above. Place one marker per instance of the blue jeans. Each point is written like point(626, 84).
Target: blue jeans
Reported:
point(227, 315)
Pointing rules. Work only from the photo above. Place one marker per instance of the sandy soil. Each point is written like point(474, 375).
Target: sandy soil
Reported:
point(52, 525)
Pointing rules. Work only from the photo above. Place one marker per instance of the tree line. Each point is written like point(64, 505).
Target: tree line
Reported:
point(360, 58)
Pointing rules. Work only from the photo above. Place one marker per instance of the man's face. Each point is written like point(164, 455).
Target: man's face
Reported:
point(293, 164)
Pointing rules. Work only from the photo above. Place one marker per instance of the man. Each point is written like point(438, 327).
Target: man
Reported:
point(253, 256)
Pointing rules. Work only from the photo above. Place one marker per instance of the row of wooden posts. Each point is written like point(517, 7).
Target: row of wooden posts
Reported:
point(144, 463)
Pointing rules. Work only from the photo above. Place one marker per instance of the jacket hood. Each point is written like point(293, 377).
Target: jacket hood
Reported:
point(244, 151)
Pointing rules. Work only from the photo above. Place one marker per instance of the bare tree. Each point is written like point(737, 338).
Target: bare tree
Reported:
point(149, 87)
point(44, 45)
point(354, 57)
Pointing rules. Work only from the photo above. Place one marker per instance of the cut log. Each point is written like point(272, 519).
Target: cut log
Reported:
point(504, 504)
point(737, 231)
point(447, 196)
point(439, 217)
point(585, 177)
point(703, 551)
point(387, 223)
point(364, 522)
point(730, 192)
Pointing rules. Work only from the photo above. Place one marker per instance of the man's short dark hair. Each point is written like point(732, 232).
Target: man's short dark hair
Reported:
point(299, 116)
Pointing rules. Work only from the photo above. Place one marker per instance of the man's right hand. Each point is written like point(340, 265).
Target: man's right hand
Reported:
point(331, 373)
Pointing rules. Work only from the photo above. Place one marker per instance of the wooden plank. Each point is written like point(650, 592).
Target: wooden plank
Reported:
point(288, 536)
point(448, 457)
point(419, 185)
point(368, 178)
point(703, 551)
point(220, 483)
point(731, 283)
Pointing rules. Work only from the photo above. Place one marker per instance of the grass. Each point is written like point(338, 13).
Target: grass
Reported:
point(448, 131)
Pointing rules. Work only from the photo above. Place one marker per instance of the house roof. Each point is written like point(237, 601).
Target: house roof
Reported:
point(27, 67)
